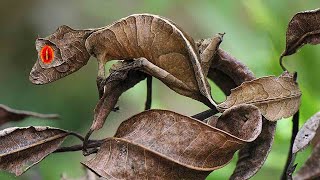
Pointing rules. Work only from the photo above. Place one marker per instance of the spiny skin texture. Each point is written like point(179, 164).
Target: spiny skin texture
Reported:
point(171, 54)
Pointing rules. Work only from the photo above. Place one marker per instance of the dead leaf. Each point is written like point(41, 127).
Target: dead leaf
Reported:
point(304, 28)
point(311, 169)
point(306, 133)
point(21, 148)
point(253, 155)
point(166, 145)
point(276, 97)
point(7, 115)
point(119, 80)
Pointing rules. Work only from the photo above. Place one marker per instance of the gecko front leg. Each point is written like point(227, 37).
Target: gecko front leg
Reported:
point(101, 78)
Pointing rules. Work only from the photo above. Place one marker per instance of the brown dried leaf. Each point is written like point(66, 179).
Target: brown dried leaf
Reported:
point(21, 148)
point(304, 28)
point(276, 97)
point(253, 155)
point(306, 133)
point(7, 115)
point(118, 82)
point(311, 169)
point(166, 145)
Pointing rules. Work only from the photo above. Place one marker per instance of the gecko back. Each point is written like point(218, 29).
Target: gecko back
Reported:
point(155, 38)
point(158, 40)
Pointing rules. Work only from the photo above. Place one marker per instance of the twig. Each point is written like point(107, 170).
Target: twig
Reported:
point(149, 93)
point(77, 135)
point(86, 142)
point(281, 63)
point(205, 114)
point(290, 167)
point(79, 147)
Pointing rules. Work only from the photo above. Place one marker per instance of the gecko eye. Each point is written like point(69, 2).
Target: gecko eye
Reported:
point(46, 54)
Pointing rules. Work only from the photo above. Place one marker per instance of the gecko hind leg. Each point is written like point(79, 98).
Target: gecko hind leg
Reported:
point(171, 81)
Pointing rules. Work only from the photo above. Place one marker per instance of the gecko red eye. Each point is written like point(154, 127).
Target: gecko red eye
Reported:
point(46, 54)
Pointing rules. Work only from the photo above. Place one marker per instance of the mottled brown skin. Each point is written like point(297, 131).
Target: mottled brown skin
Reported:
point(164, 50)
point(70, 55)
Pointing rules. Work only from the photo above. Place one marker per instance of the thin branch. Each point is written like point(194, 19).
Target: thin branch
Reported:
point(79, 147)
point(205, 114)
point(86, 142)
point(149, 93)
point(77, 135)
point(290, 167)
point(281, 63)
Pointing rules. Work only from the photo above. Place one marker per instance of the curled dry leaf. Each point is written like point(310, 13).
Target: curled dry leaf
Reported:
point(166, 145)
point(276, 97)
point(306, 133)
point(311, 169)
point(7, 115)
point(120, 80)
point(21, 148)
point(253, 155)
point(304, 28)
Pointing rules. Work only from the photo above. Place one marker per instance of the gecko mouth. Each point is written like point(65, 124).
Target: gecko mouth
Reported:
point(35, 78)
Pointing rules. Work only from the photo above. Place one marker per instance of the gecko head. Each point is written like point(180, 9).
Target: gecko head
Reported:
point(59, 55)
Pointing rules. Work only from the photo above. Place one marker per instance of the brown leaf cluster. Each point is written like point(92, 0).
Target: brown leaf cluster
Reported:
point(166, 145)
point(161, 144)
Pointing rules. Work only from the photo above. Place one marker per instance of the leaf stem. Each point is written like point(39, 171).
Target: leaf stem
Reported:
point(290, 167)
point(77, 135)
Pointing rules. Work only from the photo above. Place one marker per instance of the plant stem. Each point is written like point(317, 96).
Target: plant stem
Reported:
point(79, 147)
point(289, 167)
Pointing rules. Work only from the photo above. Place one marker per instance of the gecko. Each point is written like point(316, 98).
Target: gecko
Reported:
point(161, 47)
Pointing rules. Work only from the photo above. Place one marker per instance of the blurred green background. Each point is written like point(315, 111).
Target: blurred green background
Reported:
point(255, 34)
